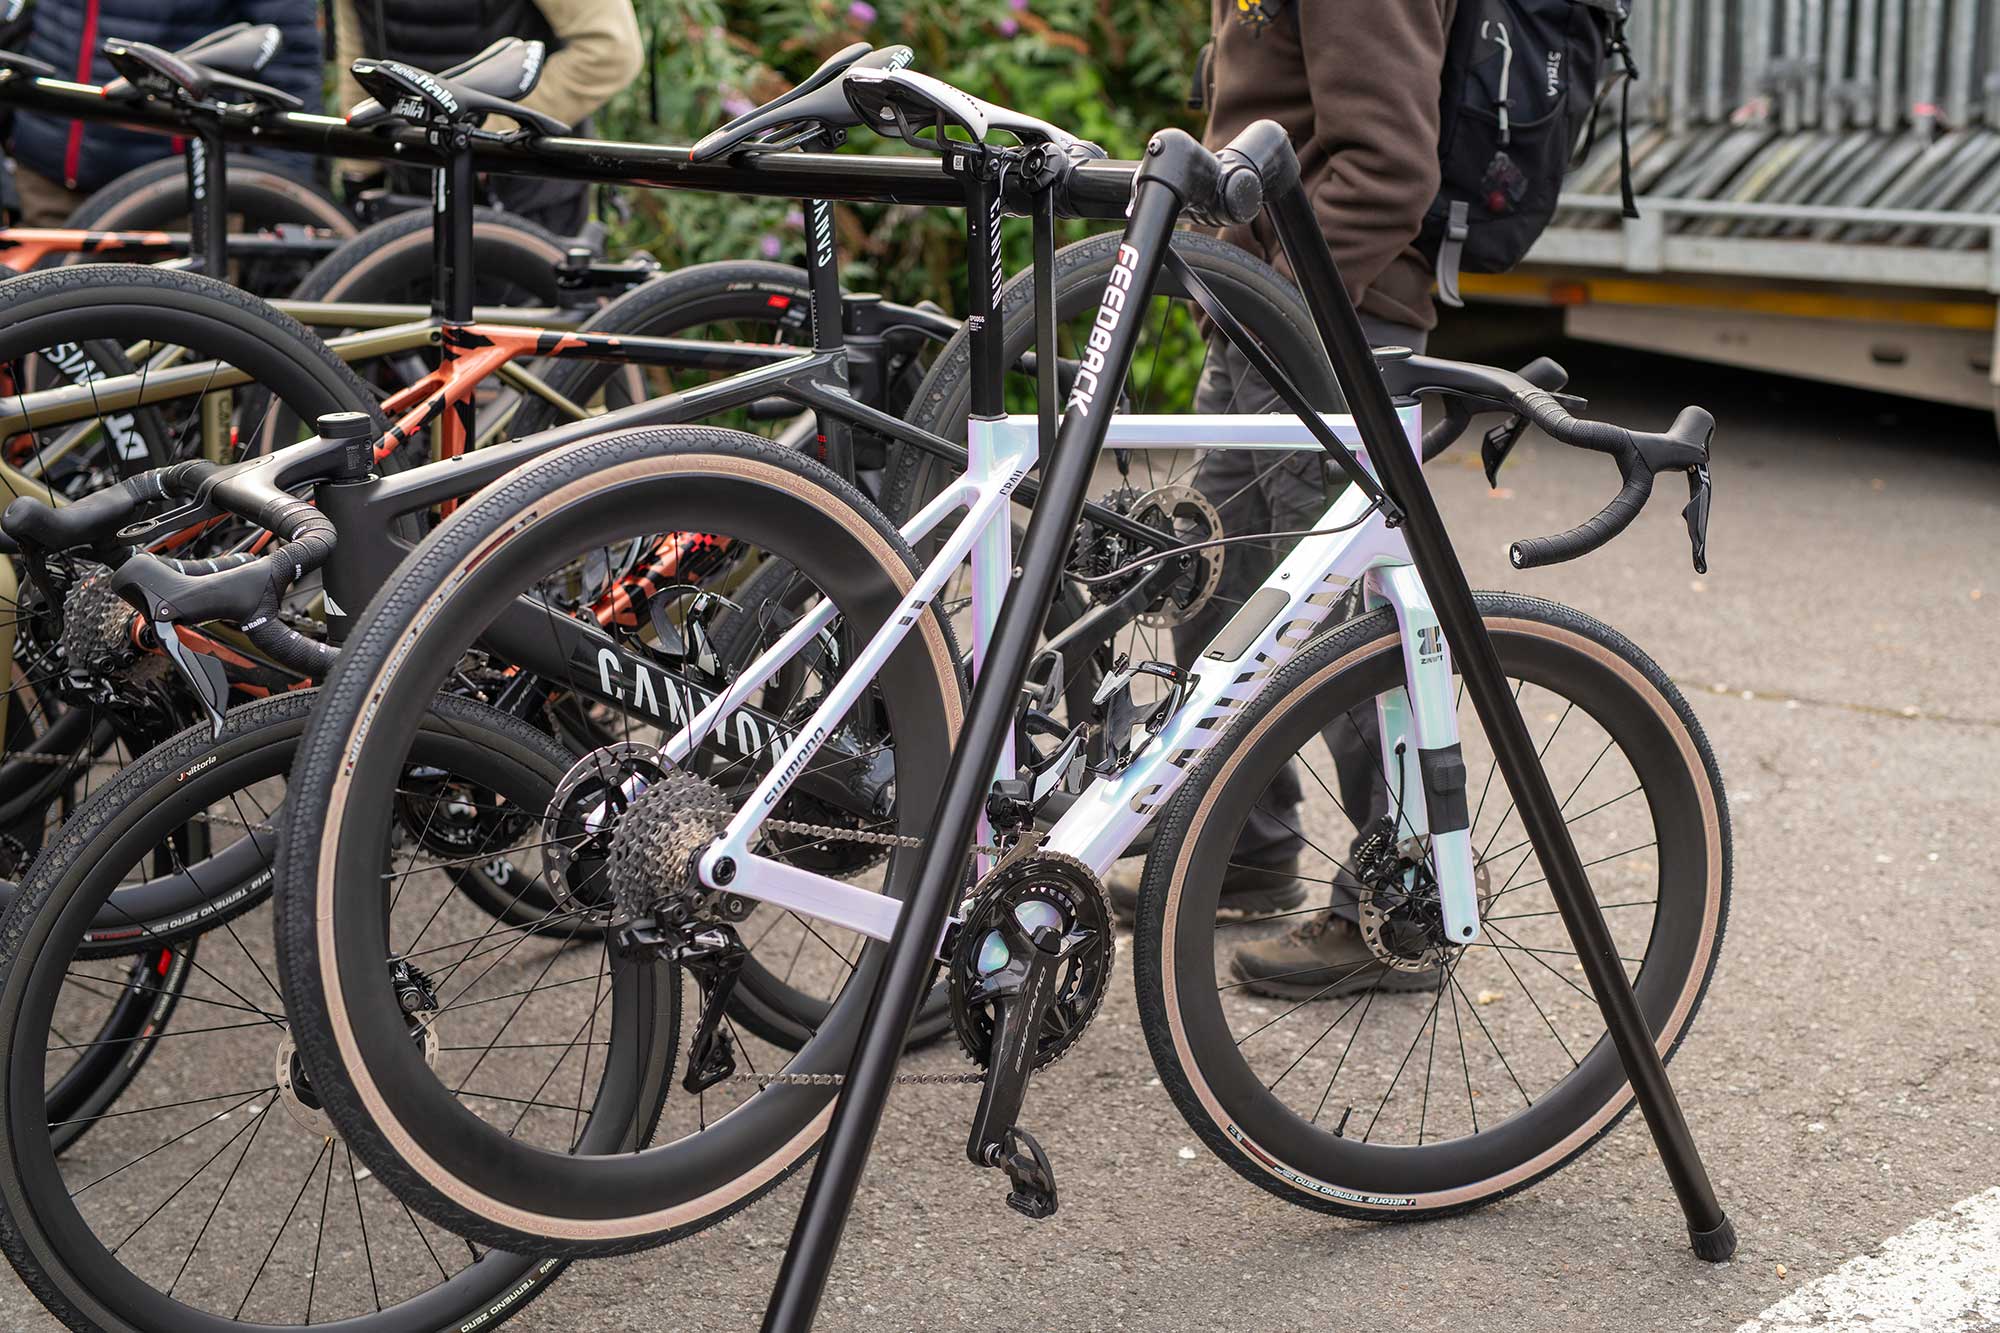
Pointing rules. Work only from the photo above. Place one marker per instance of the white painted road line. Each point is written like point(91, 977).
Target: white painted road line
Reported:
point(1940, 1276)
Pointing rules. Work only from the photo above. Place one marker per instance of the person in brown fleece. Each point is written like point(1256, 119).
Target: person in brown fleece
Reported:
point(1355, 83)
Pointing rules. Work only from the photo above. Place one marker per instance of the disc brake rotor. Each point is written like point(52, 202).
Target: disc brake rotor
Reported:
point(1401, 919)
point(1187, 513)
point(584, 814)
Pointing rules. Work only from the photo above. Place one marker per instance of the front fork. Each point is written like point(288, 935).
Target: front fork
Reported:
point(1418, 749)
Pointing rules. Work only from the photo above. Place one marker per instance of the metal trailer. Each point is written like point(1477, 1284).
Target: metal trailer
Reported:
point(1819, 195)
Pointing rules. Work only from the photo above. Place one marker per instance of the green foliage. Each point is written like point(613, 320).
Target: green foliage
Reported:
point(1112, 71)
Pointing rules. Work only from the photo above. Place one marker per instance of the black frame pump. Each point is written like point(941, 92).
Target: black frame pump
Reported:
point(1178, 174)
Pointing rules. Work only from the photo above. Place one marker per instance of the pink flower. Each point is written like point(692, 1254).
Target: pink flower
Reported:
point(771, 246)
point(795, 220)
point(1008, 27)
point(861, 12)
point(1018, 6)
point(736, 104)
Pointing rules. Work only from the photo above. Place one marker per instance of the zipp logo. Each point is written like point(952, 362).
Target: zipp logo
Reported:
point(1430, 643)
point(1110, 313)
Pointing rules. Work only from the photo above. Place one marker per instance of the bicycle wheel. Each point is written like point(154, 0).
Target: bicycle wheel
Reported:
point(178, 319)
point(1414, 1078)
point(84, 696)
point(728, 301)
point(1158, 488)
point(213, 1195)
point(154, 198)
point(544, 538)
point(392, 263)
point(119, 1036)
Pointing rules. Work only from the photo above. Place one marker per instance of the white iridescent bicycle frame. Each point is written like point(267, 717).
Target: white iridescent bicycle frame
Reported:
point(1266, 633)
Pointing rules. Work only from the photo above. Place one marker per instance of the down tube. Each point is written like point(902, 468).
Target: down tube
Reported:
point(1266, 633)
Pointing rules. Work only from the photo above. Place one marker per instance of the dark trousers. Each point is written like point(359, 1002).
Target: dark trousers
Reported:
point(1259, 491)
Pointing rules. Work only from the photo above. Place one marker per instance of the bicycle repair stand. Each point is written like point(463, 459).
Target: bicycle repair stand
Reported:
point(1175, 170)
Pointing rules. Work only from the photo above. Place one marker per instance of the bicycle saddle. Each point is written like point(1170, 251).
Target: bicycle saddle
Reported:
point(902, 103)
point(465, 94)
point(814, 107)
point(215, 68)
point(16, 63)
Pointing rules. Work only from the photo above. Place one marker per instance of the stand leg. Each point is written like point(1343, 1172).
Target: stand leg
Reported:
point(988, 725)
point(1709, 1230)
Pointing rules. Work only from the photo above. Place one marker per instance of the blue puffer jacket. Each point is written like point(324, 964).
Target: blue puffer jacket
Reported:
point(70, 34)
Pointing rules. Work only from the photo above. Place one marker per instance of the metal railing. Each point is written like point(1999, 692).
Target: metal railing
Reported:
point(1838, 140)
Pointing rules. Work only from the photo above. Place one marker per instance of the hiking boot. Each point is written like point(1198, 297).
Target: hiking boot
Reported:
point(1322, 958)
point(1251, 890)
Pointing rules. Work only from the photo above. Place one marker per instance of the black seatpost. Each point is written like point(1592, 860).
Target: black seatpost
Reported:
point(208, 198)
point(453, 194)
point(828, 330)
point(1289, 207)
point(910, 962)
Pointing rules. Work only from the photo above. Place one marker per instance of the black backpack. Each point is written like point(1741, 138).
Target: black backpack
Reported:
point(1522, 84)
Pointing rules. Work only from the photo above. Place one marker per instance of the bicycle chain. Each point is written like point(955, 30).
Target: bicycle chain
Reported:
point(833, 832)
point(835, 1080)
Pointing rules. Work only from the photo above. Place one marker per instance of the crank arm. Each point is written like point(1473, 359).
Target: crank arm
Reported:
point(1016, 1036)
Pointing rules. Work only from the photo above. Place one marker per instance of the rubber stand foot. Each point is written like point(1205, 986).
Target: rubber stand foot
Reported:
point(1717, 1246)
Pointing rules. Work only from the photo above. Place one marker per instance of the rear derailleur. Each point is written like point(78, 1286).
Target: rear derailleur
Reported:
point(660, 911)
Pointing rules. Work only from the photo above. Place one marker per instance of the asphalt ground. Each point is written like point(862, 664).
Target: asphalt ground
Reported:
point(1841, 655)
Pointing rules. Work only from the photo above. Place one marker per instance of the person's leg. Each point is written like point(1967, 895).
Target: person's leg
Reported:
point(44, 203)
point(1323, 956)
point(1264, 874)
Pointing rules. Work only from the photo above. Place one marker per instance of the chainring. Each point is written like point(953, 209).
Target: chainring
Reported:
point(1042, 888)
